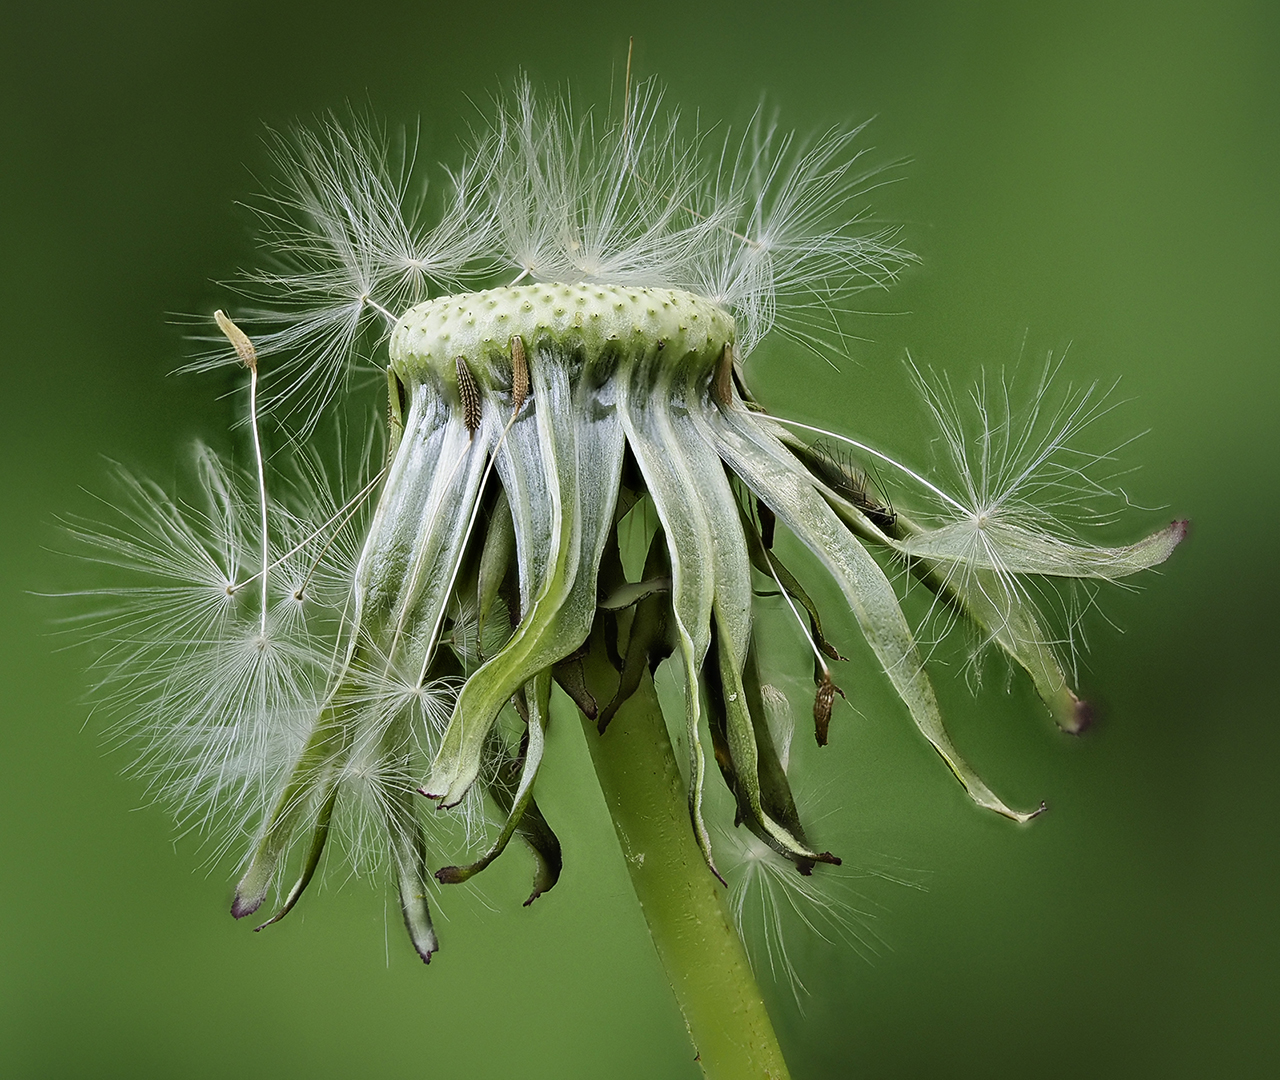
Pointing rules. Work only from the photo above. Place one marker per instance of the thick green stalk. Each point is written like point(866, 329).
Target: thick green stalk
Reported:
point(682, 902)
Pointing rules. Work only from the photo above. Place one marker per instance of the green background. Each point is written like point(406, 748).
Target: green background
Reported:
point(1101, 176)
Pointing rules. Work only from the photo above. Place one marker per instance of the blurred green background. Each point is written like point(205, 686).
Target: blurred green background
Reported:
point(1102, 176)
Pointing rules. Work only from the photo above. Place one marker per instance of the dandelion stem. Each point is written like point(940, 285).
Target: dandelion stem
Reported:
point(682, 902)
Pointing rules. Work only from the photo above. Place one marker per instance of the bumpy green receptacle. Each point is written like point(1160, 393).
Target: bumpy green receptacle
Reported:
point(602, 321)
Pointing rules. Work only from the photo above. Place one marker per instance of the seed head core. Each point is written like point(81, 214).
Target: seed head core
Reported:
point(595, 321)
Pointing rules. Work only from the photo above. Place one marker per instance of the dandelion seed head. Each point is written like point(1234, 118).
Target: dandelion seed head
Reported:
point(560, 321)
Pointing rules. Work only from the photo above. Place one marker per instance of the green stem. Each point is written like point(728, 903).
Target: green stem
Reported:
point(682, 902)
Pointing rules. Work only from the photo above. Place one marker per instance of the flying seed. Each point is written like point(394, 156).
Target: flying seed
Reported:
point(470, 394)
point(519, 375)
point(249, 357)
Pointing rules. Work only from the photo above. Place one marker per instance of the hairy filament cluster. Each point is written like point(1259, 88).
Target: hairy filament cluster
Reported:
point(565, 347)
point(763, 225)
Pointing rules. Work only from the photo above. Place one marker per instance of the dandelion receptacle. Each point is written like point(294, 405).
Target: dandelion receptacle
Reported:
point(577, 487)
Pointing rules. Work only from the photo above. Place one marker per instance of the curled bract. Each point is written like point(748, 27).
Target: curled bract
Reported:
point(575, 466)
point(498, 490)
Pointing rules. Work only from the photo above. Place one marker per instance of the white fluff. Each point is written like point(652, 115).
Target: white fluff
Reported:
point(775, 229)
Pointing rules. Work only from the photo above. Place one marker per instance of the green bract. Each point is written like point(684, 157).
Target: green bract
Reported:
point(527, 420)
point(318, 660)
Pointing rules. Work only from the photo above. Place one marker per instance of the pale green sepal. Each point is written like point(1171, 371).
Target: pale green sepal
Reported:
point(539, 697)
point(741, 736)
point(997, 609)
point(1012, 623)
point(647, 419)
point(310, 788)
point(1012, 549)
point(404, 504)
point(1000, 610)
point(409, 851)
point(732, 602)
point(409, 639)
point(532, 827)
point(519, 465)
point(787, 488)
point(581, 445)
point(775, 788)
point(544, 845)
point(395, 414)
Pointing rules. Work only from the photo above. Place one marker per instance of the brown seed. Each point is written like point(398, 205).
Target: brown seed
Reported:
point(722, 384)
point(823, 701)
point(519, 375)
point(470, 394)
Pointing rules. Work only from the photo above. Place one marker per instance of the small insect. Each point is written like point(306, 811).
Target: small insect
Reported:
point(838, 470)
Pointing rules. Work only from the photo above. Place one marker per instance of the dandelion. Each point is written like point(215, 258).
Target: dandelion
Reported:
point(578, 487)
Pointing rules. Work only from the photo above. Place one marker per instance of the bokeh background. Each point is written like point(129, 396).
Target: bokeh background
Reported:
point(1099, 176)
